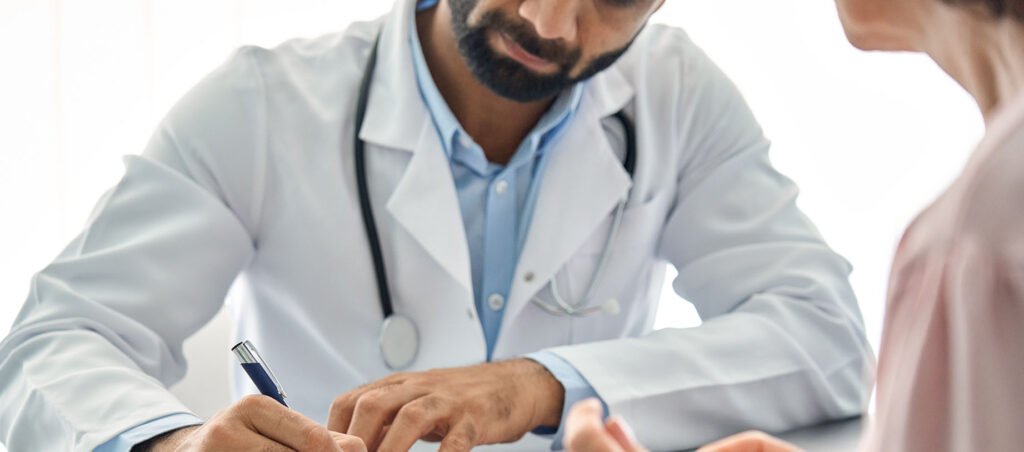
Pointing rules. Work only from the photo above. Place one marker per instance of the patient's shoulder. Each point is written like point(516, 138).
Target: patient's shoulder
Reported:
point(993, 200)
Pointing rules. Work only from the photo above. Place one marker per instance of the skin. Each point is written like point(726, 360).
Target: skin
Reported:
point(981, 53)
point(256, 423)
point(749, 442)
point(586, 431)
point(463, 407)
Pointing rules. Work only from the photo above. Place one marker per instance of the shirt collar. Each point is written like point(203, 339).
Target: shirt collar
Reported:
point(448, 126)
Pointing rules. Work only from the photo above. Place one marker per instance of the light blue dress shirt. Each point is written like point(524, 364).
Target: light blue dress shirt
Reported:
point(496, 200)
point(497, 204)
point(497, 207)
point(147, 430)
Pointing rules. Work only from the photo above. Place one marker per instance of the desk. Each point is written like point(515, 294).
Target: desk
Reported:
point(842, 436)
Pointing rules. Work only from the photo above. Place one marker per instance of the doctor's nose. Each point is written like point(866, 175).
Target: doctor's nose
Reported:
point(552, 19)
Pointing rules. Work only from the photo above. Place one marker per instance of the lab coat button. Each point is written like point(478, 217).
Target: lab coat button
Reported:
point(496, 302)
point(501, 187)
point(469, 312)
point(528, 277)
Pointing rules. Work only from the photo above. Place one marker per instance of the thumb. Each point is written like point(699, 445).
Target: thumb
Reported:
point(623, 434)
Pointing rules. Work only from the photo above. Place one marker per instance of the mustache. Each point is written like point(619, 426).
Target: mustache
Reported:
point(524, 36)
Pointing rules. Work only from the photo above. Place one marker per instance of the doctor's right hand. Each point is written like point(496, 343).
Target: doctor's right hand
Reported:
point(255, 423)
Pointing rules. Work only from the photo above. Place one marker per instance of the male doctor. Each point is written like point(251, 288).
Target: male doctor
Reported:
point(496, 166)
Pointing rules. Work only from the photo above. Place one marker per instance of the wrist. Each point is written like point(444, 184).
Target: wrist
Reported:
point(548, 394)
point(168, 441)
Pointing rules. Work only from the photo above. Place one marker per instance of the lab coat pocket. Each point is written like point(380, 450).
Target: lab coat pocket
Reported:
point(626, 278)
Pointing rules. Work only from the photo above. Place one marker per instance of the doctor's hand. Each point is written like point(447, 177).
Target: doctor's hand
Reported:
point(255, 423)
point(585, 431)
point(462, 407)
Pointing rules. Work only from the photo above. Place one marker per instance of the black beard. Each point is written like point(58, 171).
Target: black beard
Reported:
point(507, 77)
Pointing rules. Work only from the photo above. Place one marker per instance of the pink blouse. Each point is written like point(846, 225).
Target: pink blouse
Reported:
point(951, 367)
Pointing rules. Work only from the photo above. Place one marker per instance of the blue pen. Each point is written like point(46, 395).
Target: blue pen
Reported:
point(259, 371)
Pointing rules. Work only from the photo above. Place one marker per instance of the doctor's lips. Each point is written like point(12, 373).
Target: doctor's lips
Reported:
point(520, 43)
point(524, 57)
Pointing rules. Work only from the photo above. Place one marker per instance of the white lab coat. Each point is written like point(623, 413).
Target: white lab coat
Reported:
point(249, 182)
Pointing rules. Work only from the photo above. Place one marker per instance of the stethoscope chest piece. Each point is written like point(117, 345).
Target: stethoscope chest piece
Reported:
point(399, 341)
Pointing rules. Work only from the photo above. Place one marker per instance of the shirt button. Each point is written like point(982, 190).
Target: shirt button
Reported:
point(501, 187)
point(465, 141)
point(496, 302)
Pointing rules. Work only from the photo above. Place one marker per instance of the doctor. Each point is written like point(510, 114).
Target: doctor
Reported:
point(482, 195)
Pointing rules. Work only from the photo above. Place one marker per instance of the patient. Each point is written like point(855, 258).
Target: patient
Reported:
point(951, 366)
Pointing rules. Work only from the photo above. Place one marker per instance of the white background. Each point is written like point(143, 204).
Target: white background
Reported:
point(870, 138)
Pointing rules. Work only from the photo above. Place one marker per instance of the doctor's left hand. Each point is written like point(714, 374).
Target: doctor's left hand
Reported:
point(462, 407)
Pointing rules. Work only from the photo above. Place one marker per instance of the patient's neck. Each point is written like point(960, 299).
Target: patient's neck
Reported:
point(985, 56)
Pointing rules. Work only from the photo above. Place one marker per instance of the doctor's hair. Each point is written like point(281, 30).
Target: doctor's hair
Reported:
point(998, 9)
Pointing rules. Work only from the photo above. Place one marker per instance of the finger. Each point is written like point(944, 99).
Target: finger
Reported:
point(414, 421)
point(751, 441)
point(348, 443)
point(585, 430)
point(235, 435)
point(339, 417)
point(377, 408)
point(584, 412)
point(740, 442)
point(265, 416)
point(462, 437)
point(255, 441)
point(623, 434)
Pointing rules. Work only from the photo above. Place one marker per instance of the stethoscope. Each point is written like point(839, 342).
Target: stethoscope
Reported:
point(399, 337)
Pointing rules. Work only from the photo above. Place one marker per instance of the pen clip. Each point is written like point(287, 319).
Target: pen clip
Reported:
point(247, 354)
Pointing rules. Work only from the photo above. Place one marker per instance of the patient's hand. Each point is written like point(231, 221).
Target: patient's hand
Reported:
point(750, 442)
point(586, 432)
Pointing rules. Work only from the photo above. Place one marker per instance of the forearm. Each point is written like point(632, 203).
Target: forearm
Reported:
point(73, 390)
point(166, 442)
point(681, 388)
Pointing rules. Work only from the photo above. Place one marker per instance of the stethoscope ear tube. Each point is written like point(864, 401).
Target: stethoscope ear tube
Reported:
point(583, 307)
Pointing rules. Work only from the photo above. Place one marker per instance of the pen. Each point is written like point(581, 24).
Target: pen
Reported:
point(259, 372)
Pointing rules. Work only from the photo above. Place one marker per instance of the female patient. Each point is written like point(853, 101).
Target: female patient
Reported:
point(951, 366)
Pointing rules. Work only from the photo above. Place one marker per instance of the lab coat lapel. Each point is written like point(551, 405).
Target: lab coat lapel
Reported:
point(396, 112)
point(581, 186)
point(424, 202)
point(426, 205)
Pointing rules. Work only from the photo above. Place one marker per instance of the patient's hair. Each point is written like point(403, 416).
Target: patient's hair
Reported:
point(998, 8)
